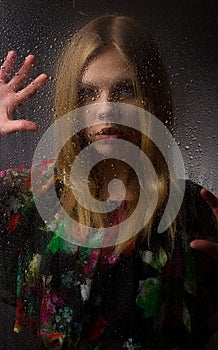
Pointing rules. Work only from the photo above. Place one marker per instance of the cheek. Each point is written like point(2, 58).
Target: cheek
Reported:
point(136, 102)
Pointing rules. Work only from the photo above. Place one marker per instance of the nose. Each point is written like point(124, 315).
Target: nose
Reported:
point(103, 96)
point(104, 111)
point(104, 107)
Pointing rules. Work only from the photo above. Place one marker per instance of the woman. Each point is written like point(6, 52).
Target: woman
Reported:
point(151, 291)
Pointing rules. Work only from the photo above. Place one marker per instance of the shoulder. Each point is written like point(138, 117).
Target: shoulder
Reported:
point(20, 177)
point(16, 187)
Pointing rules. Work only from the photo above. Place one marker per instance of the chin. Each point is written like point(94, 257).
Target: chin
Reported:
point(106, 148)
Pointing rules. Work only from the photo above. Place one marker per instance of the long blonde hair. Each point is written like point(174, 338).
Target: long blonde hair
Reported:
point(152, 88)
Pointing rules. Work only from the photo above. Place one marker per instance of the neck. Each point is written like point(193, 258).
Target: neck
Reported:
point(118, 170)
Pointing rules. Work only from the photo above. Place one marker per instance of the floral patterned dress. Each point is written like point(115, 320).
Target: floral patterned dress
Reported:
point(73, 297)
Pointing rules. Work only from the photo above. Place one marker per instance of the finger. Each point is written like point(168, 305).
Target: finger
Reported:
point(23, 73)
point(32, 88)
point(18, 125)
point(211, 200)
point(205, 246)
point(22, 125)
point(8, 65)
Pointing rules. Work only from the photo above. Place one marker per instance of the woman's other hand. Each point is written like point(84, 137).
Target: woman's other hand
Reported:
point(10, 95)
point(205, 246)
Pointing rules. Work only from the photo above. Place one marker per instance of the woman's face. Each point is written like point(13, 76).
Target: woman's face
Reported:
point(107, 78)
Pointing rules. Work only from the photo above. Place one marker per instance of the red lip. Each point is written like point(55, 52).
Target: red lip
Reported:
point(106, 137)
point(107, 133)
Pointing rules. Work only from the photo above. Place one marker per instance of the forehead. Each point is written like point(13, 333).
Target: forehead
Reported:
point(107, 68)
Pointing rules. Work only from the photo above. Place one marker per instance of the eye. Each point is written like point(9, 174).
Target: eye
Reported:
point(86, 95)
point(123, 90)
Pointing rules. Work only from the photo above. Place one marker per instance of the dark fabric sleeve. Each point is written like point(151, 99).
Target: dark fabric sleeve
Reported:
point(202, 224)
point(200, 221)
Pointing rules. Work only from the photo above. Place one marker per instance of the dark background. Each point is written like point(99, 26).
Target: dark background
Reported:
point(187, 34)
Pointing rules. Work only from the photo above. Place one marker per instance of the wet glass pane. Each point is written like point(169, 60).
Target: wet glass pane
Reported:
point(141, 281)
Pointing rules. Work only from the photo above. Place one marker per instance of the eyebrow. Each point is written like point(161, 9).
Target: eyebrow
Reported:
point(114, 83)
point(123, 81)
point(89, 85)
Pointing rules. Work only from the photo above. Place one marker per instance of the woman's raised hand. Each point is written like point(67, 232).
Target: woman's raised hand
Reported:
point(10, 95)
point(205, 246)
